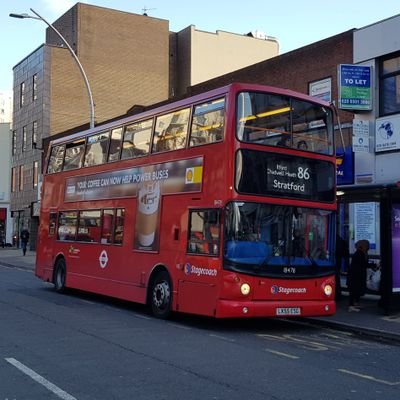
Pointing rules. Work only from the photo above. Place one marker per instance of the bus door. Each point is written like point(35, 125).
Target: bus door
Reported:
point(198, 289)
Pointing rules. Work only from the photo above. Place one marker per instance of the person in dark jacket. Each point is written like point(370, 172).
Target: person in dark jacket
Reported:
point(357, 274)
point(342, 256)
point(24, 240)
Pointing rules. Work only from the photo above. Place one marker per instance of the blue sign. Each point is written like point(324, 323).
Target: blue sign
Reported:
point(355, 87)
point(344, 166)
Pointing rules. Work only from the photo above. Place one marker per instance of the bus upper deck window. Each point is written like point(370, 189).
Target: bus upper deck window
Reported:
point(74, 154)
point(136, 141)
point(171, 131)
point(207, 123)
point(97, 149)
point(56, 159)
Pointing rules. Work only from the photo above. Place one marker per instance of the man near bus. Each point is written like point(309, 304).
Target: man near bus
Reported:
point(24, 240)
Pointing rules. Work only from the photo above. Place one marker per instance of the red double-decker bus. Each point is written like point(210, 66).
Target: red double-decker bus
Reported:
point(222, 204)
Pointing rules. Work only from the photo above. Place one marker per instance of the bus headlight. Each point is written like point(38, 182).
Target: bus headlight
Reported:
point(245, 289)
point(328, 290)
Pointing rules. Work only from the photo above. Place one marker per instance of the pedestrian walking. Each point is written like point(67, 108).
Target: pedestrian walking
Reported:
point(357, 276)
point(24, 239)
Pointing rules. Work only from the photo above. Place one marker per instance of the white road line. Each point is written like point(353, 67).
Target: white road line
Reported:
point(222, 338)
point(278, 353)
point(369, 377)
point(187, 328)
point(39, 379)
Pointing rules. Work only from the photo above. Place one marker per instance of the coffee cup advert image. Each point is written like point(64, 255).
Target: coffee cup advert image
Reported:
point(147, 216)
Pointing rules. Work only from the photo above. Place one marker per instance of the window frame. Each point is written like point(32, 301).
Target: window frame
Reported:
point(384, 77)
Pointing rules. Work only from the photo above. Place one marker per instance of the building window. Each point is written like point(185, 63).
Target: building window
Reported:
point(13, 179)
point(35, 173)
point(389, 85)
point(24, 138)
point(22, 94)
point(14, 143)
point(34, 87)
point(34, 134)
point(21, 178)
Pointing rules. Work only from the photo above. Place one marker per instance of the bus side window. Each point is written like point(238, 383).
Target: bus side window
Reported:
point(89, 226)
point(171, 131)
point(115, 144)
point(67, 221)
point(204, 231)
point(107, 226)
point(74, 154)
point(136, 141)
point(56, 159)
point(96, 149)
point(119, 226)
point(52, 224)
point(208, 123)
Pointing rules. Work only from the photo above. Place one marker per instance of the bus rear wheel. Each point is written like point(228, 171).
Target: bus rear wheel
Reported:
point(161, 295)
point(60, 273)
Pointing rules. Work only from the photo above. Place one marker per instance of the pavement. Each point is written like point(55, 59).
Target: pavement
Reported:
point(371, 321)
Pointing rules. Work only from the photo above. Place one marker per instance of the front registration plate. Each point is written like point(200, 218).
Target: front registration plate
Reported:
point(288, 311)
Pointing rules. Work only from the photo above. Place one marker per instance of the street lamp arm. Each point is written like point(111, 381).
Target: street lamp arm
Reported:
point(77, 61)
point(83, 73)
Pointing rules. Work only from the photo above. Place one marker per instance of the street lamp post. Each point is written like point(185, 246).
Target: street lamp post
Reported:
point(89, 92)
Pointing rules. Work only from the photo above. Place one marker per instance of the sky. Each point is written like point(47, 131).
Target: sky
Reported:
point(294, 23)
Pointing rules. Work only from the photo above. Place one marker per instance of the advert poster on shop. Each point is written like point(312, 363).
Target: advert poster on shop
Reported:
point(396, 247)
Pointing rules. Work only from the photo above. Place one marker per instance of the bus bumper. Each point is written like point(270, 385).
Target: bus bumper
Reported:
point(275, 309)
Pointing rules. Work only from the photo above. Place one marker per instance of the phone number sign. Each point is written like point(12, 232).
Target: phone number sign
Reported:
point(355, 87)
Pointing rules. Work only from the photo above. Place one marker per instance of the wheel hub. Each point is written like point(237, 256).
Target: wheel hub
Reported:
point(161, 294)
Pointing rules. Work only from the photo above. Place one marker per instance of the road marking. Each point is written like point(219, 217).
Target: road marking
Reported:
point(188, 328)
point(141, 316)
point(369, 377)
point(222, 337)
point(39, 379)
point(278, 353)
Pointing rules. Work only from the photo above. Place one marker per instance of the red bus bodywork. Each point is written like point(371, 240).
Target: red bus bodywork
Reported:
point(197, 283)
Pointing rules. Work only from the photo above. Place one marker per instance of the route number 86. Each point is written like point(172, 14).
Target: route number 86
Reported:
point(302, 173)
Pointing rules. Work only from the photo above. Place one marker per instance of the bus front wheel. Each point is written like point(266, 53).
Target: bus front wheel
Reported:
point(60, 274)
point(161, 295)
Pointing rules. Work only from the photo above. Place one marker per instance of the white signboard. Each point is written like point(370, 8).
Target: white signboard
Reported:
point(365, 223)
point(321, 89)
point(360, 136)
point(387, 132)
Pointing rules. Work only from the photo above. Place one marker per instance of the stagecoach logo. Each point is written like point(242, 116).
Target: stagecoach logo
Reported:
point(193, 270)
point(279, 289)
point(103, 259)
